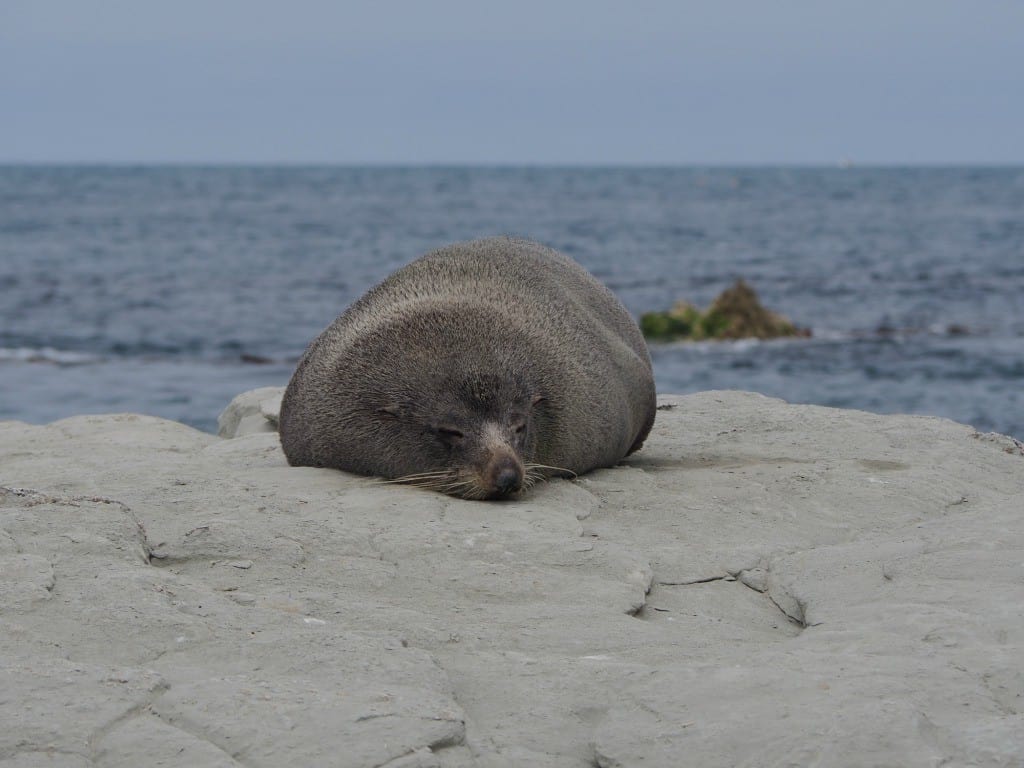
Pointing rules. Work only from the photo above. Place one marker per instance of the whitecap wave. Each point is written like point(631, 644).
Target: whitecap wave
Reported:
point(46, 355)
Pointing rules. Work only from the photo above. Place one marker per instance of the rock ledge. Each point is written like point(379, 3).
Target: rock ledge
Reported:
point(764, 584)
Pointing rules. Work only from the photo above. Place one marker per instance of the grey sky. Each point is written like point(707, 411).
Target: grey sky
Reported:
point(578, 81)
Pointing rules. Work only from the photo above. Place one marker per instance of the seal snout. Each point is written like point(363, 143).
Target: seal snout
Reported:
point(504, 477)
point(508, 480)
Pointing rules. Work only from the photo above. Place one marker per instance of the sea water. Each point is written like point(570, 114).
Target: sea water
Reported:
point(168, 290)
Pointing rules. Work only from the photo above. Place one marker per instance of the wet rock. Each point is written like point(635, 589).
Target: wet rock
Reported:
point(736, 313)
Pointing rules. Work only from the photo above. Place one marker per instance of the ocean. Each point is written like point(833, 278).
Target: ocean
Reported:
point(168, 290)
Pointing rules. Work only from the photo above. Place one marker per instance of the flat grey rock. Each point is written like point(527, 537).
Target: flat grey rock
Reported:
point(763, 584)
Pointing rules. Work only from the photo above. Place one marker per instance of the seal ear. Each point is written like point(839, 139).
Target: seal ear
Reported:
point(394, 410)
point(537, 399)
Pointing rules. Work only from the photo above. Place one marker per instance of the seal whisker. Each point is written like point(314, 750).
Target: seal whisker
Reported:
point(420, 477)
point(466, 489)
point(531, 480)
point(422, 481)
point(531, 466)
point(460, 488)
point(429, 485)
point(435, 483)
point(432, 473)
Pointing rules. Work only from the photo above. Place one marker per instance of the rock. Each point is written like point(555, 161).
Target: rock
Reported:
point(762, 584)
point(735, 314)
point(251, 412)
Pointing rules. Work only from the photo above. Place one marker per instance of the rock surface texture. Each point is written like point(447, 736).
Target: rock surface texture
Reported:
point(764, 585)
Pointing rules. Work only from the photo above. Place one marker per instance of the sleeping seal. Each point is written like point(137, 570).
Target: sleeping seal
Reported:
point(476, 370)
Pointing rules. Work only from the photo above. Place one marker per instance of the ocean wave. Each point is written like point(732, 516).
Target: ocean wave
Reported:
point(46, 355)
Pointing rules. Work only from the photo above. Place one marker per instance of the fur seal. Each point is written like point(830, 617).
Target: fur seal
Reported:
point(476, 370)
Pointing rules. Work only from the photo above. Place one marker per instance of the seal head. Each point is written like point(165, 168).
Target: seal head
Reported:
point(476, 433)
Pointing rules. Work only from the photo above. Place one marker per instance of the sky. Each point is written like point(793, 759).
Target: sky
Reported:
point(567, 82)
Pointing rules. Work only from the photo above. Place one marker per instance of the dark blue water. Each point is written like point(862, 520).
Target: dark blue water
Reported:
point(169, 290)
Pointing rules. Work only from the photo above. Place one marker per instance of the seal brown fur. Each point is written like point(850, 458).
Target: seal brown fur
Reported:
point(475, 370)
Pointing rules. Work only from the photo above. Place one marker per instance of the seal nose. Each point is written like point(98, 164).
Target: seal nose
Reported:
point(508, 480)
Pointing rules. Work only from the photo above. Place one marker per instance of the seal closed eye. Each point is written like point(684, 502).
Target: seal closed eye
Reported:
point(476, 370)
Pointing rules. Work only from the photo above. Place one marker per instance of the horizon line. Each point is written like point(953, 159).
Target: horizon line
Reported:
point(499, 165)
